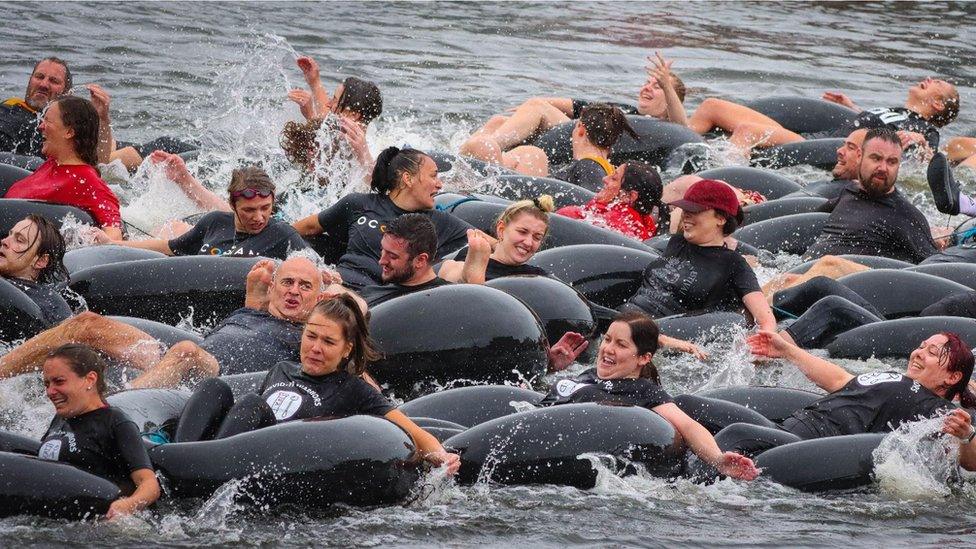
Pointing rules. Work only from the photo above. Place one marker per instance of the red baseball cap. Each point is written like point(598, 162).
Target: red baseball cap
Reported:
point(709, 194)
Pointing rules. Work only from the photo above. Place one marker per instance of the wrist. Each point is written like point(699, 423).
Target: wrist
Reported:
point(972, 435)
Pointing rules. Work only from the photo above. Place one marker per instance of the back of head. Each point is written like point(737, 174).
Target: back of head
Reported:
point(883, 133)
point(539, 208)
point(391, 164)
point(249, 177)
point(83, 359)
point(959, 358)
point(299, 141)
point(643, 179)
point(362, 97)
point(50, 243)
point(950, 109)
point(344, 311)
point(604, 124)
point(644, 332)
point(419, 233)
point(80, 115)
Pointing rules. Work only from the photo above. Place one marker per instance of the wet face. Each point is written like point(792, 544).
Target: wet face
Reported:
point(849, 156)
point(18, 252)
point(57, 136)
point(651, 101)
point(425, 184)
point(71, 394)
point(927, 366)
point(398, 267)
point(878, 170)
point(324, 345)
point(296, 288)
point(933, 92)
point(251, 215)
point(344, 112)
point(46, 83)
point(702, 227)
point(520, 238)
point(617, 357)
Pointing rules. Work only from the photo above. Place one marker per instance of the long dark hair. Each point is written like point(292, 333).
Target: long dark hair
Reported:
point(958, 358)
point(644, 333)
point(50, 243)
point(80, 115)
point(361, 96)
point(344, 311)
point(604, 124)
point(390, 166)
point(643, 179)
point(83, 359)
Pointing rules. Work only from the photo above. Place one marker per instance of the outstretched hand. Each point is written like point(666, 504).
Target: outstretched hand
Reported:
point(660, 70)
point(958, 423)
point(768, 344)
point(737, 466)
point(100, 100)
point(355, 135)
point(839, 98)
point(173, 164)
point(566, 350)
point(443, 457)
point(258, 285)
point(301, 97)
point(309, 68)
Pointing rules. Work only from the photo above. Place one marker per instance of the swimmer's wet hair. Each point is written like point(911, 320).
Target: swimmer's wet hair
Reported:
point(362, 97)
point(679, 87)
point(299, 141)
point(950, 110)
point(644, 179)
point(419, 232)
point(391, 165)
point(883, 133)
point(83, 359)
point(644, 333)
point(604, 124)
point(344, 311)
point(80, 115)
point(539, 208)
point(958, 357)
point(51, 243)
point(249, 177)
point(68, 81)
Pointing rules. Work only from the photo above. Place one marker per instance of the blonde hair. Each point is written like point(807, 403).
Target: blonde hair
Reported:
point(539, 208)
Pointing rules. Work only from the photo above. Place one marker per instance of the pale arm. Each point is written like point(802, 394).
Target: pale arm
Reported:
point(308, 226)
point(826, 375)
point(429, 448)
point(155, 244)
point(145, 494)
point(758, 307)
point(702, 443)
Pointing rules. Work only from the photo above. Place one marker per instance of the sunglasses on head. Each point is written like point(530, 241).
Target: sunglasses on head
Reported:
point(251, 193)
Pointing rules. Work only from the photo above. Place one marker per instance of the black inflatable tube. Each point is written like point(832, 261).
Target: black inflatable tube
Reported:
point(832, 463)
point(168, 335)
point(459, 334)
point(165, 289)
point(560, 308)
point(358, 460)
point(20, 317)
point(961, 273)
point(900, 293)
point(872, 261)
point(824, 189)
point(791, 234)
point(470, 406)
point(563, 231)
point(965, 253)
point(819, 153)
point(461, 164)
point(10, 174)
point(13, 210)
point(716, 414)
point(898, 338)
point(18, 444)
point(242, 384)
point(781, 207)
point(660, 243)
point(150, 409)
point(698, 326)
point(804, 115)
point(523, 187)
point(658, 139)
point(27, 163)
point(32, 486)
point(604, 274)
point(93, 256)
point(769, 184)
point(773, 403)
point(544, 446)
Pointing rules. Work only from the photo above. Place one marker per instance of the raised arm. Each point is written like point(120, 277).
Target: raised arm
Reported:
point(703, 444)
point(320, 97)
point(661, 72)
point(840, 99)
point(826, 375)
point(177, 171)
point(101, 101)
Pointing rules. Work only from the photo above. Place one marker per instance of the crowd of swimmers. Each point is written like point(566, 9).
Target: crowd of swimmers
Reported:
point(308, 326)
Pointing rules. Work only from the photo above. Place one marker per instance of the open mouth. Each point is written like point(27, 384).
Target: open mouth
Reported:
point(292, 303)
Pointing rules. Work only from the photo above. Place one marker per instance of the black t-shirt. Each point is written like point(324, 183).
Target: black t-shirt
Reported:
point(215, 234)
point(103, 442)
point(46, 296)
point(896, 118)
point(249, 341)
point(377, 294)
point(580, 104)
point(585, 172)
point(889, 226)
point(587, 387)
point(358, 221)
point(18, 130)
point(293, 394)
point(877, 402)
point(690, 278)
point(497, 269)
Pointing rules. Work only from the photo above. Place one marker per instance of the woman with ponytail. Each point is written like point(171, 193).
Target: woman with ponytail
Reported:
point(403, 181)
point(629, 202)
point(335, 351)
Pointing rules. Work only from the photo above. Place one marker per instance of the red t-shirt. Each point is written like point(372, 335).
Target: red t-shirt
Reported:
point(74, 185)
point(616, 215)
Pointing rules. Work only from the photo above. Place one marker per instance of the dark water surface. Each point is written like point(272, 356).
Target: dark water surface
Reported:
point(218, 72)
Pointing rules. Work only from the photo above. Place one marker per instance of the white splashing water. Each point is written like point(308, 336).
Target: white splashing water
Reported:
point(915, 462)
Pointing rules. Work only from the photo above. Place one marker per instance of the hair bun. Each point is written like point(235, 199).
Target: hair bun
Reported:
point(545, 203)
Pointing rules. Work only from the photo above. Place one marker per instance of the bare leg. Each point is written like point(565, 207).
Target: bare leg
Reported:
point(116, 339)
point(961, 149)
point(129, 157)
point(528, 160)
point(829, 265)
point(726, 115)
point(185, 362)
point(484, 148)
point(969, 162)
point(748, 135)
point(534, 116)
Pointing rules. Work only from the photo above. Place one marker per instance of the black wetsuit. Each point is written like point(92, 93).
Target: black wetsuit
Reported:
point(497, 269)
point(961, 304)
point(18, 129)
point(887, 226)
point(378, 294)
point(47, 297)
point(358, 221)
point(826, 308)
point(896, 118)
point(250, 341)
point(585, 172)
point(587, 387)
point(688, 278)
point(215, 234)
point(103, 442)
